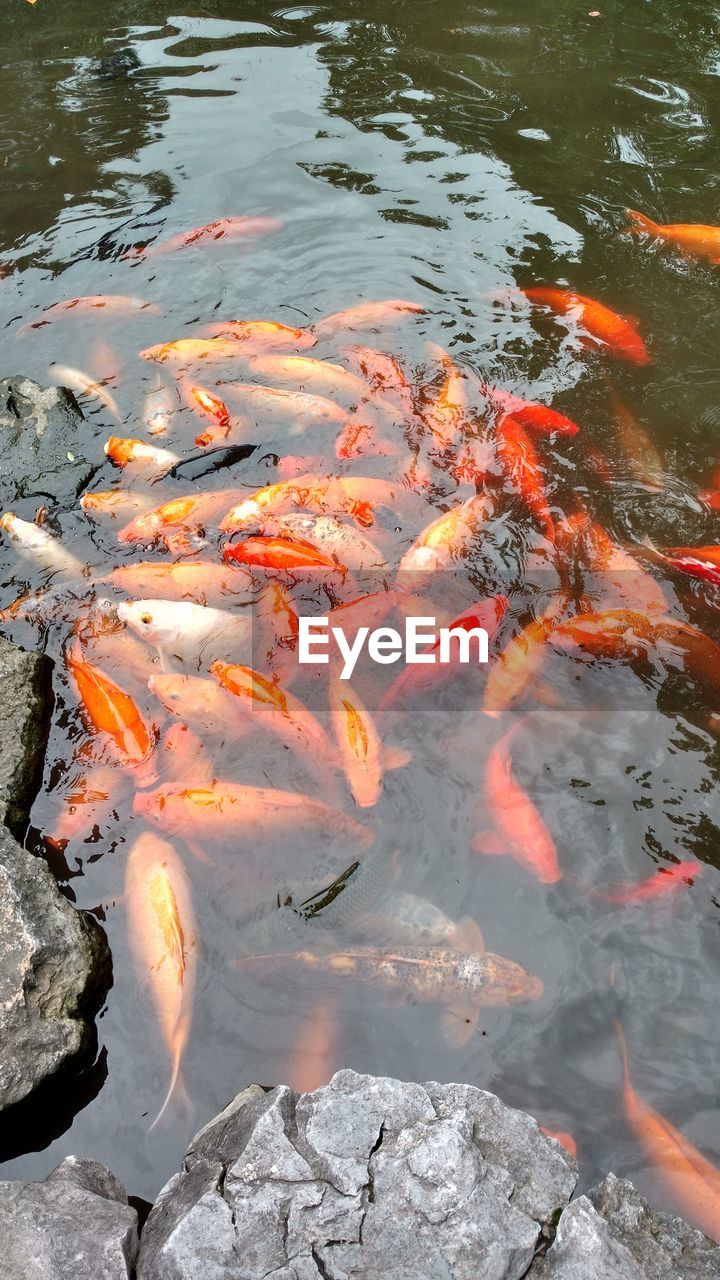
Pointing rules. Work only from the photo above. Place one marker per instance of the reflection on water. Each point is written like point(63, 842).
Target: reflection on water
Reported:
point(444, 158)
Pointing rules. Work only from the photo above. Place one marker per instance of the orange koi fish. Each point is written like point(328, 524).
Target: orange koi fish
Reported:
point(383, 374)
point(532, 416)
point(122, 450)
point(354, 495)
point(164, 942)
point(188, 351)
point(215, 408)
point(366, 315)
point(645, 459)
point(448, 538)
point(82, 384)
point(620, 578)
point(445, 415)
point(361, 750)
point(113, 305)
point(520, 660)
point(627, 634)
point(223, 229)
point(516, 818)
point(287, 554)
point(263, 335)
point(601, 328)
point(110, 710)
point(524, 471)
point(278, 710)
point(689, 1178)
point(313, 1055)
point(202, 703)
point(346, 545)
point(191, 513)
point(664, 881)
point(204, 583)
point(226, 809)
point(414, 680)
point(465, 978)
point(181, 753)
point(566, 1140)
point(88, 802)
point(692, 238)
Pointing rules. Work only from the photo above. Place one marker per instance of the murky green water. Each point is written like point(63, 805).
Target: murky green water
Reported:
point(440, 153)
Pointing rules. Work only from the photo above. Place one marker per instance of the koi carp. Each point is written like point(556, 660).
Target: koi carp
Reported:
point(110, 710)
point(516, 817)
point(201, 237)
point(691, 238)
point(664, 881)
point(599, 327)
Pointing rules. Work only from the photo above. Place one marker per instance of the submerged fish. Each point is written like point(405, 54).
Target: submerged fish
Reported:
point(35, 543)
point(526, 837)
point(247, 228)
point(692, 1181)
point(108, 304)
point(463, 980)
point(164, 942)
point(600, 328)
point(664, 881)
point(692, 238)
point(366, 315)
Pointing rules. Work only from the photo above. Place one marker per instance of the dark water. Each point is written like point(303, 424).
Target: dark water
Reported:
point(440, 154)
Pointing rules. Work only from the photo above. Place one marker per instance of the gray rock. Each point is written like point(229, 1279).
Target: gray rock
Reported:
point(76, 1225)
point(25, 705)
point(613, 1233)
point(366, 1177)
point(54, 968)
point(39, 427)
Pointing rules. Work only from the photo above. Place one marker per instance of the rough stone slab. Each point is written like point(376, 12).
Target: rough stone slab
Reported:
point(54, 968)
point(25, 706)
point(366, 1178)
point(613, 1233)
point(76, 1225)
point(39, 427)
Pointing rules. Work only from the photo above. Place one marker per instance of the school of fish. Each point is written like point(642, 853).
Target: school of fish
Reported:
point(191, 719)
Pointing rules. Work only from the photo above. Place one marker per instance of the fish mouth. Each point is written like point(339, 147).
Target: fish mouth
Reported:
point(510, 983)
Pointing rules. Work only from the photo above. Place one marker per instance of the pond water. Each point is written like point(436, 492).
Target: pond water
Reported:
point(448, 155)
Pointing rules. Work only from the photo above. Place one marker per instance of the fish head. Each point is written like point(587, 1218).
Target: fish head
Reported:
point(155, 621)
point(509, 983)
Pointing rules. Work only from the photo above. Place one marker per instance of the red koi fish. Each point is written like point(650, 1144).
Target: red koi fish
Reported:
point(524, 471)
point(225, 809)
point(202, 237)
point(262, 335)
point(534, 417)
point(213, 407)
point(601, 328)
point(691, 238)
point(448, 538)
point(289, 554)
point(107, 304)
point(164, 942)
point(123, 451)
point(373, 316)
point(110, 710)
point(664, 881)
point(698, 562)
point(691, 1180)
point(414, 680)
point(516, 818)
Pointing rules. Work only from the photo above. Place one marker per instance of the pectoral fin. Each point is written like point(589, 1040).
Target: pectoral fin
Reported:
point(396, 757)
point(459, 1023)
point(467, 936)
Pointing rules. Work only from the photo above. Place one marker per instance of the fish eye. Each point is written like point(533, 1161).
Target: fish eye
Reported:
point(146, 618)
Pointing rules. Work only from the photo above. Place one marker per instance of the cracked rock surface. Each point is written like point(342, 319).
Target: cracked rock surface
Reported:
point(54, 964)
point(366, 1177)
point(25, 705)
point(76, 1225)
point(613, 1234)
point(39, 427)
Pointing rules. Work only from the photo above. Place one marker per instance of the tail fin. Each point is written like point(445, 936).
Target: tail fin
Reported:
point(639, 224)
point(623, 1051)
point(175, 1088)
